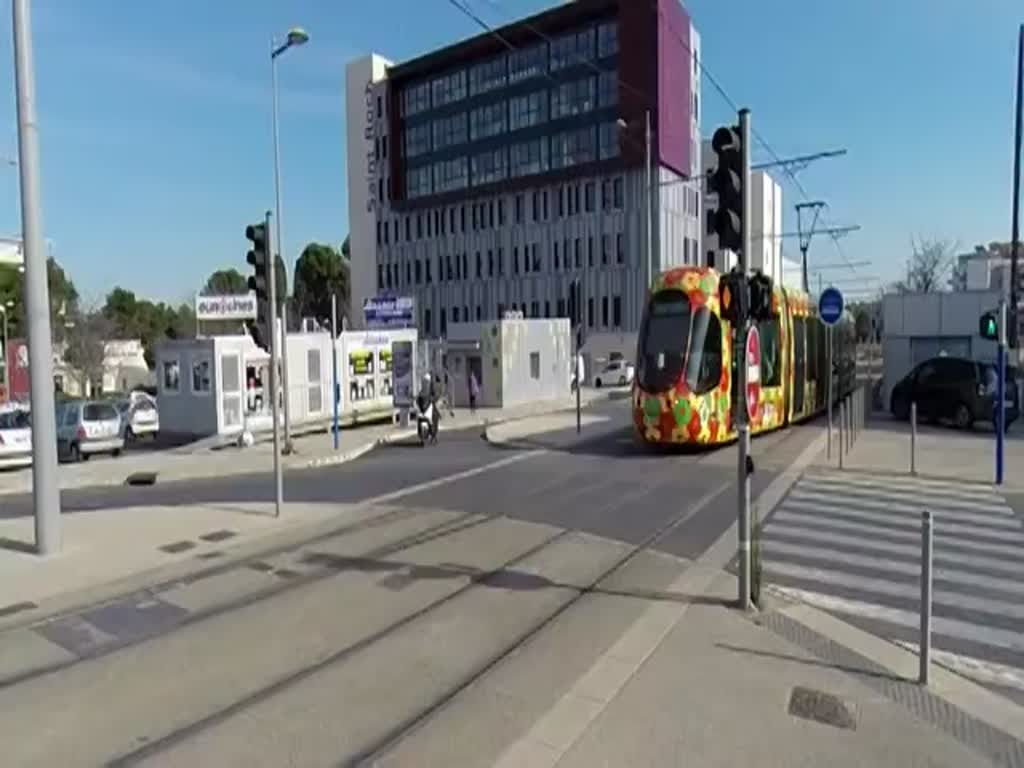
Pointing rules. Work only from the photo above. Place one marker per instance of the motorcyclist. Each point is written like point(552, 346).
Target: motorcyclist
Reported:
point(427, 398)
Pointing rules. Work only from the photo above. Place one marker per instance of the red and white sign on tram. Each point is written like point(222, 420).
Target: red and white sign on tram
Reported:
point(753, 353)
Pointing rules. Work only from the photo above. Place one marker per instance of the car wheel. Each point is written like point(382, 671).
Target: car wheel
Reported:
point(622, 381)
point(901, 408)
point(962, 417)
point(116, 452)
point(597, 383)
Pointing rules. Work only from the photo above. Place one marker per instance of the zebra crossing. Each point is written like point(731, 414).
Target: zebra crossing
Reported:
point(850, 543)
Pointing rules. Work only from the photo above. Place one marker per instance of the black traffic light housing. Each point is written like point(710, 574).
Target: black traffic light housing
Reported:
point(732, 297)
point(760, 297)
point(258, 258)
point(988, 326)
point(727, 182)
point(576, 310)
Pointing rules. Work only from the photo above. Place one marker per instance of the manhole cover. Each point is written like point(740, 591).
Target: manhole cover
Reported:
point(823, 708)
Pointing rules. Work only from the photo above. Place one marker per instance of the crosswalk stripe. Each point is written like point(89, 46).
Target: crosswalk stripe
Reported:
point(907, 497)
point(900, 520)
point(836, 556)
point(982, 562)
point(785, 518)
point(868, 584)
point(830, 501)
point(910, 483)
point(979, 669)
point(982, 635)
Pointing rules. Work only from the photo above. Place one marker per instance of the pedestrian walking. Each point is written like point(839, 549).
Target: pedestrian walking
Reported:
point(474, 391)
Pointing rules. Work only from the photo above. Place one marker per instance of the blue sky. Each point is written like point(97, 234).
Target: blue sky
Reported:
point(155, 122)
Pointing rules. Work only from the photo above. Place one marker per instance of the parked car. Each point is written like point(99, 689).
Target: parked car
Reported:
point(963, 391)
point(617, 372)
point(139, 417)
point(87, 427)
point(15, 439)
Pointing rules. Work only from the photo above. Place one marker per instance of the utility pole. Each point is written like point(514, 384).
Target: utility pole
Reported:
point(275, 358)
point(1015, 234)
point(805, 237)
point(45, 487)
point(742, 423)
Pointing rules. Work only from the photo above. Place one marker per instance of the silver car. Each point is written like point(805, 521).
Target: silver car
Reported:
point(86, 427)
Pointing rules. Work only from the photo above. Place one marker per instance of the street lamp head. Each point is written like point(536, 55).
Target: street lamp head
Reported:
point(297, 36)
point(623, 125)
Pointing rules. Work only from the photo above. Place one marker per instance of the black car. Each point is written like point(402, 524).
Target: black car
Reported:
point(963, 391)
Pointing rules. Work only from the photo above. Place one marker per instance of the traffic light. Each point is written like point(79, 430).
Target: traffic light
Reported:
point(732, 300)
point(727, 182)
point(258, 257)
point(988, 326)
point(760, 297)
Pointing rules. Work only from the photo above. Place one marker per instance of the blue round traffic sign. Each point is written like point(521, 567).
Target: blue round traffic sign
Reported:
point(830, 305)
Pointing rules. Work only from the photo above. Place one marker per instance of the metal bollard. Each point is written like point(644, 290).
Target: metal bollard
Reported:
point(849, 423)
point(842, 419)
point(925, 646)
point(913, 438)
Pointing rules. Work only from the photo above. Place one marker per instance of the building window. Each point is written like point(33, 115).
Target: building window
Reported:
point(380, 238)
point(479, 313)
point(535, 310)
point(450, 175)
point(528, 109)
point(620, 248)
point(201, 383)
point(617, 312)
point(590, 251)
point(590, 312)
point(561, 201)
point(408, 273)
point(617, 185)
point(415, 98)
point(488, 120)
point(588, 196)
point(544, 201)
point(479, 270)
point(490, 167)
point(575, 48)
point(536, 206)
point(579, 253)
point(515, 259)
point(417, 139)
point(426, 322)
point(465, 265)
point(572, 98)
point(455, 314)
point(380, 107)
point(609, 138)
point(608, 88)
point(547, 309)
point(501, 262)
point(604, 311)
point(444, 322)
point(607, 39)
point(527, 158)
point(171, 378)
point(574, 147)
point(501, 211)
point(556, 260)
point(380, 275)
point(490, 263)
point(449, 88)
point(449, 131)
point(488, 75)
point(606, 247)
point(527, 62)
point(560, 308)
point(519, 205)
point(535, 257)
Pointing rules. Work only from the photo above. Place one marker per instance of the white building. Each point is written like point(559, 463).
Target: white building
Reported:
point(765, 224)
point(483, 180)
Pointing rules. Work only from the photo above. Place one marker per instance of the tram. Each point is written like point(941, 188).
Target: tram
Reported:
point(683, 391)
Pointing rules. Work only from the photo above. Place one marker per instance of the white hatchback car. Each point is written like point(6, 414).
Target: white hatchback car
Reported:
point(616, 373)
point(139, 417)
point(15, 439)
point(85, 427)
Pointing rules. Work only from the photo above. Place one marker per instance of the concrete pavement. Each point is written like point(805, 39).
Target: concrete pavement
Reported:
point(514, 613)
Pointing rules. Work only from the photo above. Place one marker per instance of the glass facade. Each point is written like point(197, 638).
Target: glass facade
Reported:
point(535, 109)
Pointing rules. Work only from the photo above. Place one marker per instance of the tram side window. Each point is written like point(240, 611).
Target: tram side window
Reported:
point(799, 351)
point(771, 368)
point(704, 368)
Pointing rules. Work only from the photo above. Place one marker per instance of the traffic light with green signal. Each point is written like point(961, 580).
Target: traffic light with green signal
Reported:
point(988, 326)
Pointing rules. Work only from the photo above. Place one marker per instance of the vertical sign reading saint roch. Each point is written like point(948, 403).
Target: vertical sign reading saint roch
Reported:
point(370, 133)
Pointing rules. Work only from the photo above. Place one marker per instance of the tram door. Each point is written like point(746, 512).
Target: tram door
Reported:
point(799, 363)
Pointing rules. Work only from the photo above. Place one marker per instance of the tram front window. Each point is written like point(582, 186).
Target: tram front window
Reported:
point(664, 339)
point(704, 366)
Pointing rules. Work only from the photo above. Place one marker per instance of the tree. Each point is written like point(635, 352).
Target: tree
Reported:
point(929, 266)
point(320, 272)
point(85, 337)
point(226, 282)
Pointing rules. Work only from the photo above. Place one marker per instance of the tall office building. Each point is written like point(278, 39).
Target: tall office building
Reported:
point(487, 175)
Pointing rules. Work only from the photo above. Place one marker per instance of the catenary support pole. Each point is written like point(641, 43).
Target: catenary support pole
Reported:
point(742, 423)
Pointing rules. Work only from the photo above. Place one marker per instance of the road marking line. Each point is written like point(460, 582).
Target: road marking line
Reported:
point(830, 501)
point(785, 517)
point(979, 670)
point(894, 589)
point(775, 533)
point(992, 636)
point(555, 732)
point(838, 556)
point(899, 521)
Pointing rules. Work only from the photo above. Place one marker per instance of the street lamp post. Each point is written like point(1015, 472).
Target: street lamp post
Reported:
point(45, 488)
point(296, 36)
point(7, 377)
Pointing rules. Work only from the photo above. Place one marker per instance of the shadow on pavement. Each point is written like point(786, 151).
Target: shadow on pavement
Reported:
point(810, 662)
point(17, 545)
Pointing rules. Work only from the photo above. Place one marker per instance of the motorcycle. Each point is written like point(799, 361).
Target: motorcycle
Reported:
point(425, 424)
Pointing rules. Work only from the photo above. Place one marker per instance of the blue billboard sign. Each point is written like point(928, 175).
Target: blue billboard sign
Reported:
point(390, 312)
